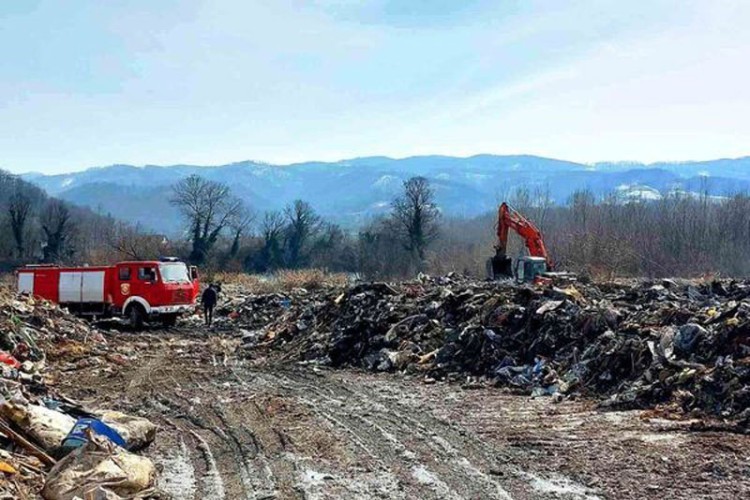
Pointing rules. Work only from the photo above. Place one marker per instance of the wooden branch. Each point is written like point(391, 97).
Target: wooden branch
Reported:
point(26, 444)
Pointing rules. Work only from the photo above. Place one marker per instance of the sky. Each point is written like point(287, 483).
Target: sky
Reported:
point(90, 83)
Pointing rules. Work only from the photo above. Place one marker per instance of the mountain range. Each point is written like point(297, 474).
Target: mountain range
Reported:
point(352, 191)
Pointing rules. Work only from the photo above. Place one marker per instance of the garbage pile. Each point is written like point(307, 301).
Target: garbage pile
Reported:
point(50, 445)
point(257, 311)
point(684, 346)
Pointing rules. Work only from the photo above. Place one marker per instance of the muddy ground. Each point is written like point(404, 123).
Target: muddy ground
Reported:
point(253, 429)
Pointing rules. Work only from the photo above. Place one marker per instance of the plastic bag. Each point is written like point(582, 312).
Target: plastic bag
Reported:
point(46, 427)
point(99, 469)
point(137, 432)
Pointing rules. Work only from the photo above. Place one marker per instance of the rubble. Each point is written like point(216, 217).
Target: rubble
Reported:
point(680, 345)
point(35, 420)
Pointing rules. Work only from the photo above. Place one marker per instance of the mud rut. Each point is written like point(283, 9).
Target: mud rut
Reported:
point(292, 433)
point(237, 429)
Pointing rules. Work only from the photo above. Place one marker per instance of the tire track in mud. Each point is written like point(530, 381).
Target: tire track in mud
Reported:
point(258, 430)
point(178, 474)
point(232, 460)
point(254, 429)
point(240, 450)
point(213, 485)
point(425, 463)
point(295, 432)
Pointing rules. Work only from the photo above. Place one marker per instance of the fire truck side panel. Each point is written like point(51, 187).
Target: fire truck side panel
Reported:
point(26, 283)
point(92, 286)
point(81, 286)
point(69, 287)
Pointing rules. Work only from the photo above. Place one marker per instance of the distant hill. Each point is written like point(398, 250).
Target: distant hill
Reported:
point(352, 191)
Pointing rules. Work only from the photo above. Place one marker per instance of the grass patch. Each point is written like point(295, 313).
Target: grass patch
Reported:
point(282, 280)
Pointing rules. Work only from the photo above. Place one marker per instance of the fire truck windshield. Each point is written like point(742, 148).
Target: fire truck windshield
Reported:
point(174, 272)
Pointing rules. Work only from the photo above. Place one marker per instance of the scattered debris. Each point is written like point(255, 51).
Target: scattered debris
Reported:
point(137, 432)
point(38, 425)
point(79, 435)
point(679, 347)
point(683, 346)
point(47, 427)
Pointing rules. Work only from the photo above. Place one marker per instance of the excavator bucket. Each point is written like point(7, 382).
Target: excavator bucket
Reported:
point(500, 266)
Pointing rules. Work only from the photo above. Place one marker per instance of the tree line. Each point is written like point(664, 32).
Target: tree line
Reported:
point(43, 229)
point(678, 235)
point(223, 233)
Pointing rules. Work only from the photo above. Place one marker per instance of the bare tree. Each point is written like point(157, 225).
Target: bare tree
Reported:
point(271, 228)
point(381, 253)
point(19, 209)
point(208, 207)
point(302, 225)
point(581, 203)
point(332, 249)
point(58, 230)
point(416, 217)
point(133, 243)
point(239, 223)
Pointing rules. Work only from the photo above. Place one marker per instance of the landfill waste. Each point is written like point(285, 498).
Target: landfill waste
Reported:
point(99, 469)
point(9, 360)
point(47, 427)
point(257, 310)
point(35, 419)
point(683, 346)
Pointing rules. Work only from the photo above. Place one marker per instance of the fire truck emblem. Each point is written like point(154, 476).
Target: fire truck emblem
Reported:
point(125, 288)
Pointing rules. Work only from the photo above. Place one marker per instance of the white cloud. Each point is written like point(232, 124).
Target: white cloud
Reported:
point(214, 82)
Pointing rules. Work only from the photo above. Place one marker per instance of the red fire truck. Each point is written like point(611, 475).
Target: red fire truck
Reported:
point(140, 291)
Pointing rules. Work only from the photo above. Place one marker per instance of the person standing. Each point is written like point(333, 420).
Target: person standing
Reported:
point(208, 299)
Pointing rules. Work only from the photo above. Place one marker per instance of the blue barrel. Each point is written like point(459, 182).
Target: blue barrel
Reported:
point(77, 436)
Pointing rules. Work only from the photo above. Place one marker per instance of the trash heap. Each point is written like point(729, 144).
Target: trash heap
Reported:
point(50, 445)
point(257, 311)
point(683, 346)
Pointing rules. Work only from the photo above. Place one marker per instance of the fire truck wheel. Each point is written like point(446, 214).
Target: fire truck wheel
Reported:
point(169, 320)
point(136, 316)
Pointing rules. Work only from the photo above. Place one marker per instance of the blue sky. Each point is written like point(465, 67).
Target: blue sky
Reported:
point(87, 83)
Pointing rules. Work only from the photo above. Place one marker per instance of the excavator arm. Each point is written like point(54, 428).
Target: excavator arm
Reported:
point(508, 218)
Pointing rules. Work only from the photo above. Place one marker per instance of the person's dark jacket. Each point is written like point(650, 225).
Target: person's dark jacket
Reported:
point(209, 297)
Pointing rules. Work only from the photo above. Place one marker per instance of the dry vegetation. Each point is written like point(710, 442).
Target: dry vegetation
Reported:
point(280, 281)
point(6, 279)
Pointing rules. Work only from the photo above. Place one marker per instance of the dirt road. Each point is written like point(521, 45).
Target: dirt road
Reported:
point(249, 429)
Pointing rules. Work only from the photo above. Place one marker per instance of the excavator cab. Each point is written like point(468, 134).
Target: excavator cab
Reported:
point(530, 268)
point(523, 269)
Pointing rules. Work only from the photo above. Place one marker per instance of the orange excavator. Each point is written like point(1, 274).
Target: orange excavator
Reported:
point(533, 267)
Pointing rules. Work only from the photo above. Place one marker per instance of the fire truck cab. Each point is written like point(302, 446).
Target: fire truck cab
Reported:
point(138, 290)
